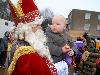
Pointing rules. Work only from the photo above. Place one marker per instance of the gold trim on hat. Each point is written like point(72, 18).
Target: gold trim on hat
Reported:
point(18, 10)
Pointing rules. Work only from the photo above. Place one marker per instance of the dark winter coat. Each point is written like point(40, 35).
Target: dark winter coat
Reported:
point(4, 43)
point(55, 43)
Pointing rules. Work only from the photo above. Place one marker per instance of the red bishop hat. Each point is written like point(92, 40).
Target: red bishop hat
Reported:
point(25, 11)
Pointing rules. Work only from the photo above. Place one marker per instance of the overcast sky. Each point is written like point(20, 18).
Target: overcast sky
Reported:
point(64, 7)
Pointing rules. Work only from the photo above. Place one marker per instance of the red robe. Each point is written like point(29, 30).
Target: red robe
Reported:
point(30, 63)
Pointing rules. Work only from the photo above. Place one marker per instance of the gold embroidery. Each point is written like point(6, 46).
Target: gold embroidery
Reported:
point(9, 47)
point(19, 52)
point(18, 10)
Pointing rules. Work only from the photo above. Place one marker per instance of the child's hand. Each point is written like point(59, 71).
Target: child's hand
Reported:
point(71, 53)
point(66, 48)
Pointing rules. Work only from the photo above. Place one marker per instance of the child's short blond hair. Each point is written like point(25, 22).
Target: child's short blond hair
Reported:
point(62, 18)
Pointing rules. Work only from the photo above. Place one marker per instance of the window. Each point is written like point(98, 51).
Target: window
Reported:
point(98, 27)
point(98, 17)
point(87, 15)
point(87, 27)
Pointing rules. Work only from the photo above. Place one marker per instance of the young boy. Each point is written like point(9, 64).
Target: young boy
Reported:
point(58, 42)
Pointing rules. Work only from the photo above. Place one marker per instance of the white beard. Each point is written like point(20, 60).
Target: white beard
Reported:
point(38, 41)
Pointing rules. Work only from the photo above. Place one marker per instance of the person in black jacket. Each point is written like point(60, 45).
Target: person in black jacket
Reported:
point(4, 46)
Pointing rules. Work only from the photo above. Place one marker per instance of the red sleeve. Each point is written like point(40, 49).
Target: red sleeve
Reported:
point(31, 64)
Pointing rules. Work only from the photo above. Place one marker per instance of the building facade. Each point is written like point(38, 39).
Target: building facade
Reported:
point(81, 21)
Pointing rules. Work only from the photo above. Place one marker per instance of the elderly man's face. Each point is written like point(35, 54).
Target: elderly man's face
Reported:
point(35, 28)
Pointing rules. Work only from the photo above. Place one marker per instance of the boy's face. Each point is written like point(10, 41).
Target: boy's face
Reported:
point(58, 24)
